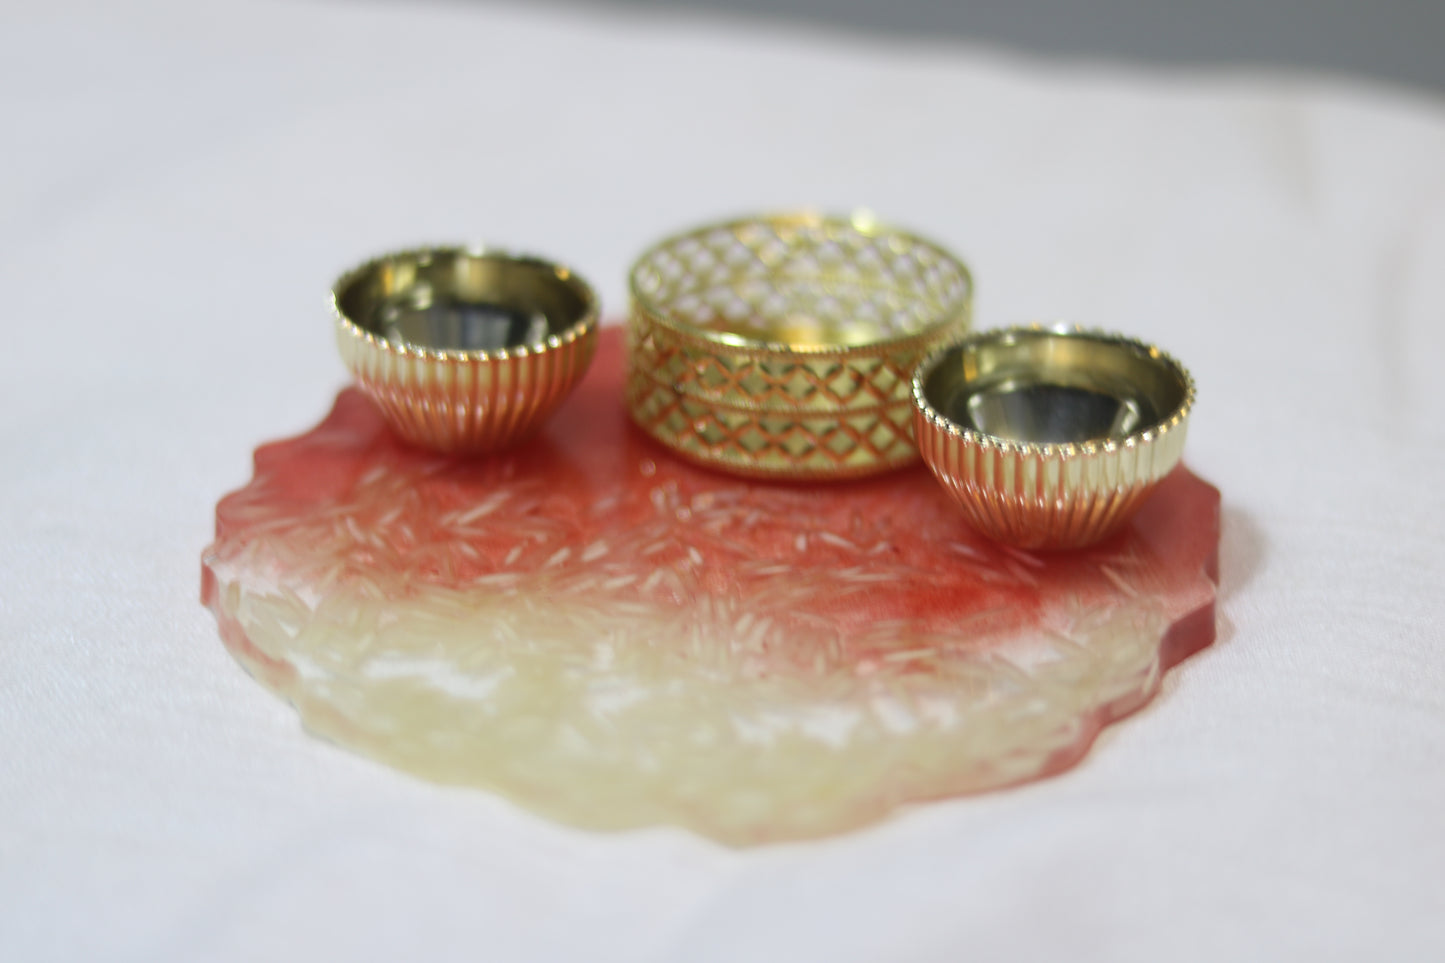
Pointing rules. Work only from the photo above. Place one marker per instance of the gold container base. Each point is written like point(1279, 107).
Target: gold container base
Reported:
point(783, 347)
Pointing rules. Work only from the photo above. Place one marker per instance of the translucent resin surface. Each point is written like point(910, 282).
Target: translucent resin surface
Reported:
point(614, 638)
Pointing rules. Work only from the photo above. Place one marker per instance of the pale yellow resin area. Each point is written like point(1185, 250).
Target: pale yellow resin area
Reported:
point(612, 712)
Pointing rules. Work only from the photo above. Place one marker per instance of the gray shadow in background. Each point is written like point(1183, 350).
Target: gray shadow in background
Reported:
point(1242, 552)
point(1396, 41)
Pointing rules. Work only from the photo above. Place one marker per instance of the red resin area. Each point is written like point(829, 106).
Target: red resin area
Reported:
point(881, 577)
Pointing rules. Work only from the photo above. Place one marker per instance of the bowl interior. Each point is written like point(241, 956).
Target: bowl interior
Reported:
point(1051, 387)
point(802, 282)
point(463, 301)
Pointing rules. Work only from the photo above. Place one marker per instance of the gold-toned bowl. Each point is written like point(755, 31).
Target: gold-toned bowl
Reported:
point(783, 346)
point(1050, 437)
point(465, 349)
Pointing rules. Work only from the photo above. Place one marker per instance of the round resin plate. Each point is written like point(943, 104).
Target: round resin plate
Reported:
point(614, 638)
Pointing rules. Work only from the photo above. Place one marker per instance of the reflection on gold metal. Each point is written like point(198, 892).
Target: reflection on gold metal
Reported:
point(783, 346)
point(1050, 437)
point(465, 349)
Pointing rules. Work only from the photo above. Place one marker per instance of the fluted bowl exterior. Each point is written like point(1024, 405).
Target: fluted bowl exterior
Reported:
point(1048, 495)
point(467, 402)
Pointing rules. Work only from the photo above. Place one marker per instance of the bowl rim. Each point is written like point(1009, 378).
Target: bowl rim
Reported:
point(580, 328)
point(1175, 420)
point(862, 222)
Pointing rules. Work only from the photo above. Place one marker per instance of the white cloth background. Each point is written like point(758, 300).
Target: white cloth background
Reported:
point(179, 183)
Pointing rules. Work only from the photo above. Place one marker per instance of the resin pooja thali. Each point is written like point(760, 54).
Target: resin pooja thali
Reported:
point(600, 624)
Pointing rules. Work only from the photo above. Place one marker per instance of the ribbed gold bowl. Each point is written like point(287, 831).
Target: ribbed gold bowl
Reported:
point(783, 346)
point(1050, 437)
point(465, 349)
